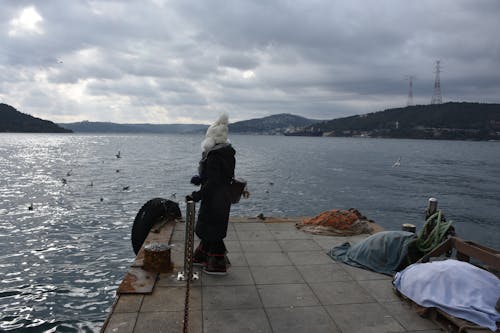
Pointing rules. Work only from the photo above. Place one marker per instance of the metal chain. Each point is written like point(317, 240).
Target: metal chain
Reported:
point(188, 259)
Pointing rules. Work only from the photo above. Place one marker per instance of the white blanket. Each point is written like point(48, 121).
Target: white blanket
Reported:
point(458, 288)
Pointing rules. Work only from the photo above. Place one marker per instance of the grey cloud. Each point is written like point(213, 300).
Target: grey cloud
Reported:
point(238, 61)
point(318, 59)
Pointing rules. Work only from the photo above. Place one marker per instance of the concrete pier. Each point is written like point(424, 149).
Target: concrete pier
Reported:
point(281, 280)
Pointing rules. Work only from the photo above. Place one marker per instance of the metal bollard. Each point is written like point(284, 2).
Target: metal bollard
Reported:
point(431, 207)
point(409, 227)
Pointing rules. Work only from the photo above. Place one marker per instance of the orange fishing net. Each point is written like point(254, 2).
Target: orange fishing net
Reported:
point(337, 222)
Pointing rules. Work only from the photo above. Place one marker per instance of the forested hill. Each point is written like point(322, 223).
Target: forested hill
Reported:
point(107, 127)
point(12, 120)
point(275, 124)
point(438, 121)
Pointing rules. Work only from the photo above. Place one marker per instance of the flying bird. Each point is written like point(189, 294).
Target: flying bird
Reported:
point(397, 163)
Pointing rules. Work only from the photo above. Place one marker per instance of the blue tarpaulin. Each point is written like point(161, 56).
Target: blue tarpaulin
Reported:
point(382, 252)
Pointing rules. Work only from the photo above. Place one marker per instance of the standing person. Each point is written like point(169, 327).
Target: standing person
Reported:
point(216, 170)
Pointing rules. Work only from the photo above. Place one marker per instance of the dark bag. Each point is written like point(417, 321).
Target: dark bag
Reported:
point(236, 188)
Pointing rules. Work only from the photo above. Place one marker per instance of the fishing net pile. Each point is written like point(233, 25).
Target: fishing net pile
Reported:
point(337, 222)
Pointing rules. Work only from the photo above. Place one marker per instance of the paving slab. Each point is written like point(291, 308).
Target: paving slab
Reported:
point(289, 245)
point(381, 290)
point(407, 316)
point(233, 245)
point(290, 234)
point(260, 246)
point(238, 276)
point(231, 297)
point(276, 274)
point(167, 322)
point(232, 321)
point(291, 295)
point(129, 303)
point(331, 272)
point(237, 259)
point(267, 259)
point(255, 235)
point(121, 323)
point(359, 274)
point(364, 318)
point(343, 292)
point(310, 258)
point(281, 280)
point(301, 320)
point(171, 299)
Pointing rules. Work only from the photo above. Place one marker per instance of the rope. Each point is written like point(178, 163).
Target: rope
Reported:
point(427, 239)
point(432, 234)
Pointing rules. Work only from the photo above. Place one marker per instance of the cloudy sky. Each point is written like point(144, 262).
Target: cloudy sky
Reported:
point(186, 61)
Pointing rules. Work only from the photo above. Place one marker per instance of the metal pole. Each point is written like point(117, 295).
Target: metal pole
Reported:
point(188, 260)
point(187, 273)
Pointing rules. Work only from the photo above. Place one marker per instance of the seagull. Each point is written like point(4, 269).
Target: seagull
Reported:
point(91, 183)
point(125, 188)
point(397, 163)
point(30, 207)
point(118, 155)
point(64, 181)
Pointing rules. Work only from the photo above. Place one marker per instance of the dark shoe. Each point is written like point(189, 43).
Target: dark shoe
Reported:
point(199, 257)
point(216, 265)
point(228, 263)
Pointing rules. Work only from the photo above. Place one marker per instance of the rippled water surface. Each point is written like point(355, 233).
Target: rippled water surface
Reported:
point(61, 262)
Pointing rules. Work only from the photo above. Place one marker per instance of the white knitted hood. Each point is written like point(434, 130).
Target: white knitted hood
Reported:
point(216, 133)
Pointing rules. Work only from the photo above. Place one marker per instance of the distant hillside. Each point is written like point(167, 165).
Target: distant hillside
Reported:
point(104, 127)
point(12, 120)
point(275, 124)
point(452, 120)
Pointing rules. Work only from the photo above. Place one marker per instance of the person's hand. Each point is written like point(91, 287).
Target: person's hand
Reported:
point(196, 195)
point(196, 180)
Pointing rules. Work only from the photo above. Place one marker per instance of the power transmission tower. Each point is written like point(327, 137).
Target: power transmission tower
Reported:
point(410, 90)
point(437, 98)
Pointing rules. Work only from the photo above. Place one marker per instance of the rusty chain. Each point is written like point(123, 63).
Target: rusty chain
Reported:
point(188, 259)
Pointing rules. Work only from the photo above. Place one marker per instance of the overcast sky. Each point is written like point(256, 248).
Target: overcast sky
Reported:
point(186, 61)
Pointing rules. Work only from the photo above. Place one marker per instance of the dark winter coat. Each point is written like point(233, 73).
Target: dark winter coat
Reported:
point(216, 171)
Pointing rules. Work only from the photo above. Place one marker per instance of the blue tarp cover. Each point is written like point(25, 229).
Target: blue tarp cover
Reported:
point(456, 287)
point(382, 252)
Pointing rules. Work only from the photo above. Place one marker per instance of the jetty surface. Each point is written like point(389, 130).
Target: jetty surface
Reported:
point(281, 280)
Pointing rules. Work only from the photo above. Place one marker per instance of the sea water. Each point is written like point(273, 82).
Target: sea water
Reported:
point(62, 260)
